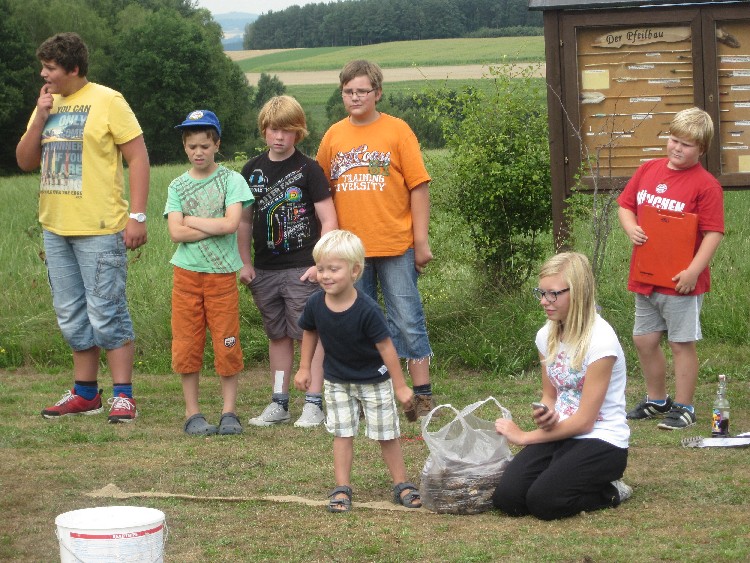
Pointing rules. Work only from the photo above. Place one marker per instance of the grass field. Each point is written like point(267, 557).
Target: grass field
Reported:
point(432, 52)
point(689, 505)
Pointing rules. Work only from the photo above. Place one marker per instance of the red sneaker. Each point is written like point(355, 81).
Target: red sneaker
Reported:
point(72, 404)
point(123, 409)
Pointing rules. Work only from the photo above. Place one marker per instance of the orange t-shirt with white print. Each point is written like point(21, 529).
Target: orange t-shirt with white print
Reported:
point(372, 169)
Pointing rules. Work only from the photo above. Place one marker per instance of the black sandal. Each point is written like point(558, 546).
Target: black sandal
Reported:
point(408, 499)
point(340, 504)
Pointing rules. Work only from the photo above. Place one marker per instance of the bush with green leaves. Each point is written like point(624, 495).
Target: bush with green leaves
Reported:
point(500, 170)
point(412, 107)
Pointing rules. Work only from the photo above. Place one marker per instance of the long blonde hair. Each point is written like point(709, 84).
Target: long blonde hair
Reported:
point(575, 332)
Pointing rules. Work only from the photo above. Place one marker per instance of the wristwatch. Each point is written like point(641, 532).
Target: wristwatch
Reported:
point(140, 217)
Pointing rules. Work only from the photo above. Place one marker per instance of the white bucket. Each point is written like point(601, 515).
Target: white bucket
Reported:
point(111, 533)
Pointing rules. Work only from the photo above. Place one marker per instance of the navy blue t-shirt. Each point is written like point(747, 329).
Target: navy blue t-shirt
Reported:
point(348, 338)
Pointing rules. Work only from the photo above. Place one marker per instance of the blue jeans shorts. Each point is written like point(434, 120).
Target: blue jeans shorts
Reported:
point(87, 276)
point(397, 277)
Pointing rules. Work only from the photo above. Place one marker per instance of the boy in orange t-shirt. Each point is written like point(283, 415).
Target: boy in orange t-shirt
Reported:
point(380, 189)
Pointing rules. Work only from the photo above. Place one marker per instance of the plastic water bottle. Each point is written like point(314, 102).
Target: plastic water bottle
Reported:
point(720, 418)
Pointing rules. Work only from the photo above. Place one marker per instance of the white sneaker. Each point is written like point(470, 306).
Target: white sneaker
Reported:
point(312, 415)
point(274, 413)
point(625, 491)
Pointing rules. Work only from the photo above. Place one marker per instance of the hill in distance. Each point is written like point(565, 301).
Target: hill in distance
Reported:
point(233, 25)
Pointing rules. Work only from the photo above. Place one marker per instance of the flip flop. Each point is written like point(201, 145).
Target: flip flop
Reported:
point(196, 425)
point(229, 424)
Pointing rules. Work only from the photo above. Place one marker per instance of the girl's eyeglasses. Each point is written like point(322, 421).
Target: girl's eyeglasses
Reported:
point(550, 296)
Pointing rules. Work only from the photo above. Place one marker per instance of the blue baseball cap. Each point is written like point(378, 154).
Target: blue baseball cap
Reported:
point(201, 118)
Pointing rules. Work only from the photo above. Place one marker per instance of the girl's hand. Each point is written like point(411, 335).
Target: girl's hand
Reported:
point(510, 430)
point(545, 419)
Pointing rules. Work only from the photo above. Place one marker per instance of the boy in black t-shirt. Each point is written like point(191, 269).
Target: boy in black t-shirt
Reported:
point(292, 208)
point(361, 367)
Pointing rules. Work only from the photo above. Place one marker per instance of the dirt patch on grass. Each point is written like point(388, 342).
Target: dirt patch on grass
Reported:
point(306, 78)
point(394, 74)
point(242, 55)
point(227, 498)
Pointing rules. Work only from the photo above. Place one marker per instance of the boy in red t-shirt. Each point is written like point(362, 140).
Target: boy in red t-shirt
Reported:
point(677, 182)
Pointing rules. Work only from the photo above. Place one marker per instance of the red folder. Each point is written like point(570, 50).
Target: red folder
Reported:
point(670, 246)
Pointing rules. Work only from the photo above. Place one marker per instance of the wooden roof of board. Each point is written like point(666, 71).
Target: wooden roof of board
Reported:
point(602, 4)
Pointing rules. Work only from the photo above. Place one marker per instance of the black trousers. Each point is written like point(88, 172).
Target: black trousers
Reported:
point(560, 479)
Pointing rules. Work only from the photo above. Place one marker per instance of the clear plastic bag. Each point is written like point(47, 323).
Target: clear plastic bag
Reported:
point(467, 459)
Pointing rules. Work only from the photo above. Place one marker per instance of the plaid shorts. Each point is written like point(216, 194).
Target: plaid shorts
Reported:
point(378, 403)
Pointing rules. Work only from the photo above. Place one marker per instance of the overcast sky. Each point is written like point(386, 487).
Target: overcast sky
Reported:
point(250, 6)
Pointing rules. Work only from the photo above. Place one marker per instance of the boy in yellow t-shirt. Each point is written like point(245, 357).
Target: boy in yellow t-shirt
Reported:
point(79, 133)
point(380, 191)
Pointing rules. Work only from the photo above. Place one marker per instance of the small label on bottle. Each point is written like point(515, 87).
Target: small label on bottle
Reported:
point(719, 424)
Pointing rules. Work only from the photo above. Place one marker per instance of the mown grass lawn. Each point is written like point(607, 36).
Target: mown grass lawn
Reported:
point(48, 467)
point(689, 504)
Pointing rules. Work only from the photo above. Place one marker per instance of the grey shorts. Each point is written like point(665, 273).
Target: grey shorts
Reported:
point(280, 297)
point(677, 315)
point(378, 403)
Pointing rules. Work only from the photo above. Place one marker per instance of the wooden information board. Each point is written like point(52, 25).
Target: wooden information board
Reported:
point(633, 80)
point(733, 71)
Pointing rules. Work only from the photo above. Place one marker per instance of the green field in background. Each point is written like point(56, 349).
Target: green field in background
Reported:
point(399, 54)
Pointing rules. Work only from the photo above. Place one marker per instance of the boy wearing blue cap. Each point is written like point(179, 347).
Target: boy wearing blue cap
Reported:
point(203, 212)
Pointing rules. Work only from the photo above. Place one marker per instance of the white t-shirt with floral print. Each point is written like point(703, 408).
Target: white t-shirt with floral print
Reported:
point(611, 425)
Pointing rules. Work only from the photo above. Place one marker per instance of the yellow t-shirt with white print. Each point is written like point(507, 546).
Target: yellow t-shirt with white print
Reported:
point(81, 191)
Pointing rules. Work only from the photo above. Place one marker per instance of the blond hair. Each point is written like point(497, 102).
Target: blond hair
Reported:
point(576, 330)
point(360, 67)
point(343, 245)
point(283, 112)
point(693, 124)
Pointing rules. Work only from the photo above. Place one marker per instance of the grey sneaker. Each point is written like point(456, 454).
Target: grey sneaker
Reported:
point(677, 419)
point(312, 415)
point(624, 491)
point(274, 413)
point(647, 409)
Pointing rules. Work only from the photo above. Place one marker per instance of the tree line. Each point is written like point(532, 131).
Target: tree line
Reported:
point(363, 22)
point(164, 56)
